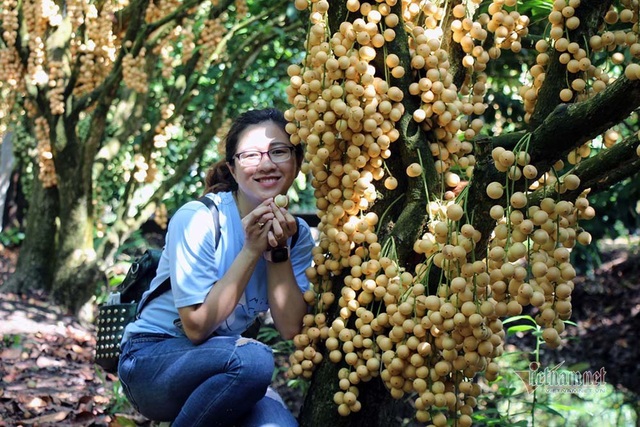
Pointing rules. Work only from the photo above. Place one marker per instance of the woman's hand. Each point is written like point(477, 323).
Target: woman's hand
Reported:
point(283, 226)
point(257, 226)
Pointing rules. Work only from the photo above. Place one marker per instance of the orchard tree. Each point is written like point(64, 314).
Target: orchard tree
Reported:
point(433, 226)
point(123, 98)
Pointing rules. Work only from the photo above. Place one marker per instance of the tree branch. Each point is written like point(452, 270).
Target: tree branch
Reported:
point(569, 127)
point(600, 172)
point(591, 14)
point(115, 76)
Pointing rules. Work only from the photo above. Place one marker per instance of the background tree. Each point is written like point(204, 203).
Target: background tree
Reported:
point(123, 99)
point(433, 227)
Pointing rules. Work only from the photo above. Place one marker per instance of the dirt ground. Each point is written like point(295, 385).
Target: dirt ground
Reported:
point(47, 376)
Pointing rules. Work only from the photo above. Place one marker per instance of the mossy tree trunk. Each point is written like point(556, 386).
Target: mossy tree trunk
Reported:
point(34, 268)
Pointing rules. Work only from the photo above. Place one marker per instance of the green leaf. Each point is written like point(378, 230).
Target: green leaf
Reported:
point(116, 280)
point(549, 409)
point(521, 317)
point(519, 328)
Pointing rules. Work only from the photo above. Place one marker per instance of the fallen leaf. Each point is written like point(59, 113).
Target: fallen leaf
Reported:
point(77, 349)
point(46, 362)
point(36, 402)
point(10, 354)
point(49, 418)
point(101, 400)
point(84, 417)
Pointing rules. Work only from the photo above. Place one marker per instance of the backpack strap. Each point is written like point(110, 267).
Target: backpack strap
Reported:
point(166, 285)
point(214, 213)
point(294, 238)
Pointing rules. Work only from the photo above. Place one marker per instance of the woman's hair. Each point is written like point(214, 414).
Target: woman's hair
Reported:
point(219, 176)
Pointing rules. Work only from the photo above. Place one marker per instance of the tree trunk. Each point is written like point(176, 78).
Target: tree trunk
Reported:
point(6, 167)
point(35, 267)
point(76, 268)
point(378, 408)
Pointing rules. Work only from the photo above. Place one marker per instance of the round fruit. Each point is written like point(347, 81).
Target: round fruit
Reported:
point(281, 201)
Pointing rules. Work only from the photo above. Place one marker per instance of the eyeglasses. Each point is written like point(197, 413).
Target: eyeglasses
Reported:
point(254, 157)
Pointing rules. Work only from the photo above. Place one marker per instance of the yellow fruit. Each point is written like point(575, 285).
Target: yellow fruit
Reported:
point(391, 183)
point(281, 201)
point(494, 190)
point(414, 170)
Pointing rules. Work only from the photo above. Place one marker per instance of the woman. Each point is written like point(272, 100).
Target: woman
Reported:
point(184, 360)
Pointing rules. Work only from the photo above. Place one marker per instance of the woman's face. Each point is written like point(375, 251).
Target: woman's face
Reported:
point(259, 177)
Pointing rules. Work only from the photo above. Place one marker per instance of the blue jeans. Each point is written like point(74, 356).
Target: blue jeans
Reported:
point(221, 382)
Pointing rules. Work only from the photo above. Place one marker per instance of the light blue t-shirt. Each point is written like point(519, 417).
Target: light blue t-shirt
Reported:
point(195, 264)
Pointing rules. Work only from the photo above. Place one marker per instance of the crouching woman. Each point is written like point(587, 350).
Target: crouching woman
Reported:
point(184, 359)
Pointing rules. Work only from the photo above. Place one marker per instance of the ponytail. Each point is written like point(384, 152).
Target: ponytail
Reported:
point(219, 178)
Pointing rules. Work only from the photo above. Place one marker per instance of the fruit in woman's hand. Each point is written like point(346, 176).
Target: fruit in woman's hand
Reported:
point(281, 201)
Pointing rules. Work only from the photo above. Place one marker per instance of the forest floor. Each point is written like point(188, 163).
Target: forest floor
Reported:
point(47, 375)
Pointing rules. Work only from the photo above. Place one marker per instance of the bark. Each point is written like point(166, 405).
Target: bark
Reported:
point(34, 267)
point(378, 408)
point(6, 167)
point(76, 269)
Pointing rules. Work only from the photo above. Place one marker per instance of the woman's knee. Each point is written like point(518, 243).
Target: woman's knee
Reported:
point(255, 361)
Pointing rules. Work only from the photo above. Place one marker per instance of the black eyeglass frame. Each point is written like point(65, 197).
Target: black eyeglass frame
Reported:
point(268, 153)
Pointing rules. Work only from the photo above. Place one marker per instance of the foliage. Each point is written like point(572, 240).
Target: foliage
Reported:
point(509, 400)
point(125, 103)
point(11, 237)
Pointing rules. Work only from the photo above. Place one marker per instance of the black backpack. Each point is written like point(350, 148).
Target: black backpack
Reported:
point(125, 303)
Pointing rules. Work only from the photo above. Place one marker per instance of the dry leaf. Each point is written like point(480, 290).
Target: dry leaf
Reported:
point(46, 362)
point(49, 418)
point(10, 354)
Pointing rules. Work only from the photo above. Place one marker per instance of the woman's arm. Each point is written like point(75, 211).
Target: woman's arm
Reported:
point(200, 320)
point(286, 302)
point(285, 299)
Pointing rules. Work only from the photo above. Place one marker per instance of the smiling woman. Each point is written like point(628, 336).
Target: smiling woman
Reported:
point(183, 360)
point(263, 166)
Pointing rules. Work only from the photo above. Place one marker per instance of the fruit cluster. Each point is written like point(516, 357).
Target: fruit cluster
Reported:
point(210, 36)
point(160, 216)
point(241, 9)
point(159, 9)
point(56, 82)
point(585, 78)
point(432, 330)
point(46, 168)
point(165, 130)
point(141, 168)
point(11, 68)
point(134, 75)
point(97, 50)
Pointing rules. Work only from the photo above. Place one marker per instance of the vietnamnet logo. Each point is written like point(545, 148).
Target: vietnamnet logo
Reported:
point(556, 380)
